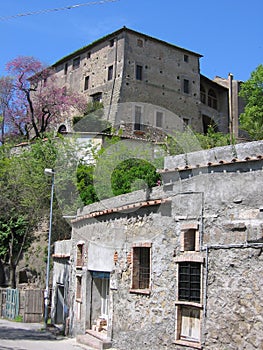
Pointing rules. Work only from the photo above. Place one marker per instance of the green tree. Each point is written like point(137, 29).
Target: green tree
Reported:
point(85, 186)
point(25, 198)
point(252, 93)
point(133, 174)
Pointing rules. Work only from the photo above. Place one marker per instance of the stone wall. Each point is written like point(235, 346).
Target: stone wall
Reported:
point(226, 209)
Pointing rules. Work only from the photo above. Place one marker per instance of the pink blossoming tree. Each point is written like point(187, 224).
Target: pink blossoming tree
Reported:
point(37, 101)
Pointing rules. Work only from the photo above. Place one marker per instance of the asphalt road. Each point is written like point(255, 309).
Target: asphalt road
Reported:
point(32, 336)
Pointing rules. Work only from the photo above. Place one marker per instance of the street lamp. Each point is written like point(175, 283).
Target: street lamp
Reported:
point(51, 173)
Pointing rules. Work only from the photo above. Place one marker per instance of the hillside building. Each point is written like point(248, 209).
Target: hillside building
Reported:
point(144, 82)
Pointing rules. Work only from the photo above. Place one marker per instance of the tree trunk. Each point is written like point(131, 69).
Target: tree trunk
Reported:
point(13, 276)
point(2, 274)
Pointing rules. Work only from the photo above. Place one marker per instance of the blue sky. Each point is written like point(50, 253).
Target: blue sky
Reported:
point(228, 33)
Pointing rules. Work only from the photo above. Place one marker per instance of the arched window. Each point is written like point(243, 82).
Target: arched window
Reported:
point(62, 129)
point(212, 99)
point(202, 94)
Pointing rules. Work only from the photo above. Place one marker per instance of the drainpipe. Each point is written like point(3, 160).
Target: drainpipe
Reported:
point(114, 78)
point(230, 105)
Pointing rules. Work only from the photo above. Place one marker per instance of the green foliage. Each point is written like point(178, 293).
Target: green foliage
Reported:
point(121, 166)
point(13, 230)
point(213, 139)
point(133, 174)
point(18, 318)
point(188, 141)
point(252, 93)
point(25, 196)
point(93, 119)
point(85, 186)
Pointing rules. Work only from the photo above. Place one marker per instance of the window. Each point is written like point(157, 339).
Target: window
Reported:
point(159, 119)
point(110, 72)
point(139, 42)
point(190, 240)
point(66, 68)
point(138, 72)
point(78, 288)
point(138, 118)
point(186, 58)
point(212, 99)
point(189, 325)
point(186, 123)
point(202, 94)
point(80, 255)
point(97, 97)
point(76, 63)
point(62, 129)
point(189, 288)
point(141, 268)
point(111, 42)
point(186, 86)
point(86, 83)
point(89, 54)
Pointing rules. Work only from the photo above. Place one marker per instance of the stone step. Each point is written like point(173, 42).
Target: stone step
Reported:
point(94, 340)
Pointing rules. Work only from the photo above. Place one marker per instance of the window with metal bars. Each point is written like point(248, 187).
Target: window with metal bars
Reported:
point(189, 281)
point(141, 268)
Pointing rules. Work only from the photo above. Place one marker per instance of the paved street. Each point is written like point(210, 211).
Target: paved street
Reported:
point(31, 336)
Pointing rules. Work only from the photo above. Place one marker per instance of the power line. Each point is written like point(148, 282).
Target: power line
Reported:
point(57, 9)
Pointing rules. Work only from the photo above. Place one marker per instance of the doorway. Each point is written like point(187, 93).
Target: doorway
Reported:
point(100, 287)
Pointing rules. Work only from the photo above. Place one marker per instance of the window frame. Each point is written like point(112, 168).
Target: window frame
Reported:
point(212, 100)
point(194, 229)
point(80, 255)
point(190, 305)
point(136, 274)
point(186, 86)
point(79, 288)
point(159, 123)
point(137, 118)
point(110, 73)
point(139, 72)
point(66, 68)
point(76, 63)
point(86, 82)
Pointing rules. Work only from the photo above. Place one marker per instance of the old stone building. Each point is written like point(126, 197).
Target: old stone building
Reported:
point(141, 79)
point(178, 267)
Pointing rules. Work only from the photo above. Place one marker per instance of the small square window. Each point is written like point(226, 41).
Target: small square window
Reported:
point(76, 63)
point(110, 72)
point(97, 97)
point(186, 58)
point(139, 42)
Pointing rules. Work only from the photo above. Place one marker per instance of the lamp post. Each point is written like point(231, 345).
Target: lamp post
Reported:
point(51, 173)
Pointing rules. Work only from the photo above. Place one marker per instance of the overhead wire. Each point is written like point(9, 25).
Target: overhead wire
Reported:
point(4, 18)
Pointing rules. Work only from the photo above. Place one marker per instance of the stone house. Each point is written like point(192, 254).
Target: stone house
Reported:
point(178, 267)
point(141, 80)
